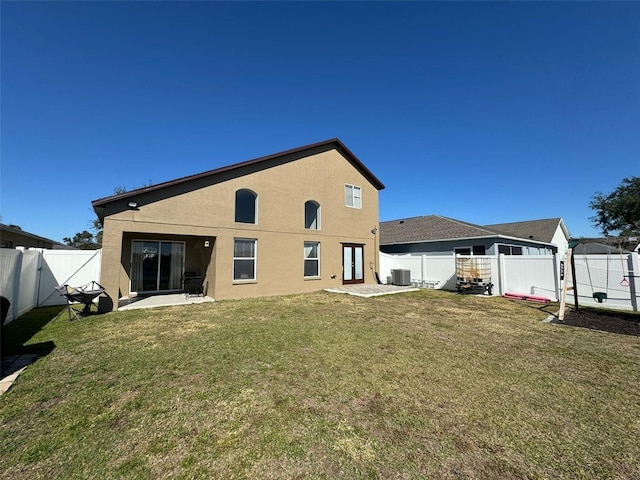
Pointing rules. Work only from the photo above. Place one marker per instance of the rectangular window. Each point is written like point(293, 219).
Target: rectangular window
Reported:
point(352, 196)
point(475, 250)
point(510, 249)
point(244, 259)
point(311, 259)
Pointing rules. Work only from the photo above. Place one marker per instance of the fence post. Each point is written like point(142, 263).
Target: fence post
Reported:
point(556, 276)
point(501, 275)
point(38, 275)
point(16, 284)
point(633, 270)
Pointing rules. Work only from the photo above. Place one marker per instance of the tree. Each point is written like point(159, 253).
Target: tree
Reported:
point(83, 240)
point(618, 211)
point(96, 226)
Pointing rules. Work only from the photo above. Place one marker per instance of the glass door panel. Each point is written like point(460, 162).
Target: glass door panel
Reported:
point(346, 264)
point(144, 266)
point(358, 270)
point(171, 263)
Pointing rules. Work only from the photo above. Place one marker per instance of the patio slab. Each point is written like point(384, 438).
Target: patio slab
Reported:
point(371, 290)
point(164, 301)
point(12, 367)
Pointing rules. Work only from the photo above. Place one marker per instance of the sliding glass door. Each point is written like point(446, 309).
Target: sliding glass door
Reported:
point(156, 266)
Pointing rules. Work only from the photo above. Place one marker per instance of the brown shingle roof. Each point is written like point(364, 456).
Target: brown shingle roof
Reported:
point(326, 145)
point(19, 231)
point(429, 228)
point(540, 230)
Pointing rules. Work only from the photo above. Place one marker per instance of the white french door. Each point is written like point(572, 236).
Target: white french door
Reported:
point(156, 266)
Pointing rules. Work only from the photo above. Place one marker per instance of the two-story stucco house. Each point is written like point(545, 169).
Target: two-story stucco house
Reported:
point(296, 221)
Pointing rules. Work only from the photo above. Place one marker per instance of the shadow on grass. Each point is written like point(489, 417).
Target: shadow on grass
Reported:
point(16, 334)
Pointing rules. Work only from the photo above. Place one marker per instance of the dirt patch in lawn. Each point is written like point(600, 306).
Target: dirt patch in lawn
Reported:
point(621, 323)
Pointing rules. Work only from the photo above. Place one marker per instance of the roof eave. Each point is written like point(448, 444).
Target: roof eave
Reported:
point(341, 146)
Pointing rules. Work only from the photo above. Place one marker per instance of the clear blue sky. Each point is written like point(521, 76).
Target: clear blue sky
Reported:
point(484, 112)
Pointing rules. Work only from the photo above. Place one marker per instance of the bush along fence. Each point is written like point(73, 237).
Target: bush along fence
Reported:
point(28, 277)
point(613, 278)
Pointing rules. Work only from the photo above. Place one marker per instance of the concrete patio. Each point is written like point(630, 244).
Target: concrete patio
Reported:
point(12, 367)
point(371, 290)
point(162, 301)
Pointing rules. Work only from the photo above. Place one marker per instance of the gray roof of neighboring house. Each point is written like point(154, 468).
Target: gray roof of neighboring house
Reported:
point(540, 230)
point(433, 228)
point(429, 228)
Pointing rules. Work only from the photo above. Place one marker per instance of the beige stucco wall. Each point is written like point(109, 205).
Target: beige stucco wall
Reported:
point(208, 213)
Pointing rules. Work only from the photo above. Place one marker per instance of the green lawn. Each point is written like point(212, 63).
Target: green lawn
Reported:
point(421, 385)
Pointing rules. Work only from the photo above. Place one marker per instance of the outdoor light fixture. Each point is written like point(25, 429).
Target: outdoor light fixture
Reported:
point(374, 230)
point(133, 204)
point(206, 243)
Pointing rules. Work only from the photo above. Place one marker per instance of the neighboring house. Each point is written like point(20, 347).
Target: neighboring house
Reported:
point(549, 230)
point(605, 245)
point(296, 221)
point(12, 237)
point(438, 235)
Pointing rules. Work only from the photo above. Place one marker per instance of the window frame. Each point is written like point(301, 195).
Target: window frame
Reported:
point(255, 206)
point(317, 215)
point(306, 259)
point(511, 249)
point(472, 251)
point(352, 197)
point(254, 259)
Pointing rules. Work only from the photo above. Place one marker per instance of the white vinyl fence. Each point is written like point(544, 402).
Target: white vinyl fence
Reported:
point(28, 277)
point(614, 275)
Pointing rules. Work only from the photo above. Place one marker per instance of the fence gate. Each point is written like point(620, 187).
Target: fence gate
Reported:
point(28, 277)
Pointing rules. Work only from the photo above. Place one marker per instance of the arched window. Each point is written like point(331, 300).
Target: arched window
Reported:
point(246, 206)
point(312, 215)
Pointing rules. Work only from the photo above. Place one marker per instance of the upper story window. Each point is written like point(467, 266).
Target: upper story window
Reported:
point(352, 196)
point(246, 202)
point(312, 215)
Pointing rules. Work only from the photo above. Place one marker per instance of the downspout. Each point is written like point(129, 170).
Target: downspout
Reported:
point(376, 255)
